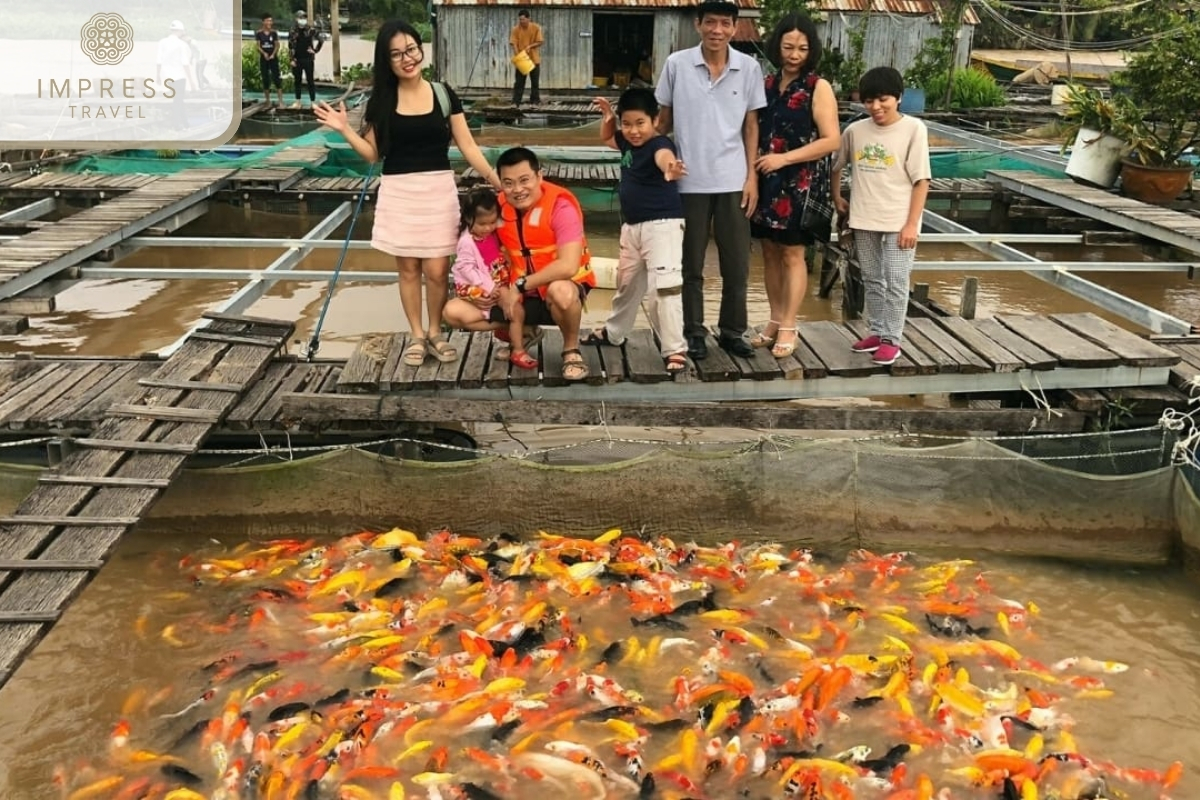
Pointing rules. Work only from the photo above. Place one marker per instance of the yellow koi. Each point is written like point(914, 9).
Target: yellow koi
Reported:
point(503, 685)
point(1002, 621)
point(413, 734)
point(721, 713)
point(289, 737)
point(182, 794)
point(1034, 747)
point(900, 624)
point(396, 792)
point(387, 673)
point(395, 538)
point(959, 700)
point(608, 537)
point(168, 635)
point(355, 578)
point(98, 788)
point(432, 605)
point(383, 641)
point(262, 682)
point(625, 731)
point(726, 616)
point(413, 749)
point(688, 747)
point(333, 741)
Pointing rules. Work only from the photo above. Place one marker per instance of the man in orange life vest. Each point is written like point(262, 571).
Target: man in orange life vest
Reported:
point(541, 231)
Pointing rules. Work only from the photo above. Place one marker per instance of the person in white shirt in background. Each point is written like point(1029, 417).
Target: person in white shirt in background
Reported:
point(175, 73)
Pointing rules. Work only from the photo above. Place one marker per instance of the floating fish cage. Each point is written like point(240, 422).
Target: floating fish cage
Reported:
point(1127, 496)
point(630, 618)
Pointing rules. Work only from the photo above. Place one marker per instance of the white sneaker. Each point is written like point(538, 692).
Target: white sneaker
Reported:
point(296, 104)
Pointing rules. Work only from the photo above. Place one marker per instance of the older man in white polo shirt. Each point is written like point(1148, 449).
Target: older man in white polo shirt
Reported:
point(710, 95)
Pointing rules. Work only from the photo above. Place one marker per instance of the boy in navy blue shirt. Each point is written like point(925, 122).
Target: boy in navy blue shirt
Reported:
point(651, 258)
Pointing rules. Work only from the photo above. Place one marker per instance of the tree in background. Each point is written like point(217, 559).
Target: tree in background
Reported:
point(771, 11)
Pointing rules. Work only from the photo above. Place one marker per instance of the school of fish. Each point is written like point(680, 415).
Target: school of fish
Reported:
point(391, 666)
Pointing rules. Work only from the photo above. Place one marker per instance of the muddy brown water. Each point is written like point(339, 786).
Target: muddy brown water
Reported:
point(58, 710)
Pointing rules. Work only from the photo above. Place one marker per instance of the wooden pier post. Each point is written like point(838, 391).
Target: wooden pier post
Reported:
point(970, 292)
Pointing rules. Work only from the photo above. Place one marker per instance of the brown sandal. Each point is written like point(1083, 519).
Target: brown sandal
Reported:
point(414, 354)
point(574, 367)
point(676, 362)
point(440, 349)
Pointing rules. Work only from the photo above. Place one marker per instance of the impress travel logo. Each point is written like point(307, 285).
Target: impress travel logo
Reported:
point(106, 39)
point(132, 73)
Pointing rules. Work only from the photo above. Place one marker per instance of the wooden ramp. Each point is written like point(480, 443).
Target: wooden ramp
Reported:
point(1155, 222)
point(42, 253)
point(64, 531)
point(940, 354)
point(282, 169)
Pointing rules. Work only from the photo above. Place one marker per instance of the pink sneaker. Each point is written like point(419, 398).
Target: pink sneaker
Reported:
point(867, 345)
point(885, 354)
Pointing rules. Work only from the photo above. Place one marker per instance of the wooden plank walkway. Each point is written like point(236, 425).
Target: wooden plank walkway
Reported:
point(46, 251)
point(1162, 224)
point(942, 355)
point(65, 530)
point(281, 169)
point(1007, 344)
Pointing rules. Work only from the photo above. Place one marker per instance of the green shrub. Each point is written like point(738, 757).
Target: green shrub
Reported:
point(972, 89)
point(252, 74)
point(356, 72)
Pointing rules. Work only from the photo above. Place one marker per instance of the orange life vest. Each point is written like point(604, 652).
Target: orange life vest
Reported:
point(528, 239)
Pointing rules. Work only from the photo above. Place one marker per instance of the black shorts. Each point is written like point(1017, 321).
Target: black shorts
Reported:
point(270, 73)
point(788, 237)
point(536, 310)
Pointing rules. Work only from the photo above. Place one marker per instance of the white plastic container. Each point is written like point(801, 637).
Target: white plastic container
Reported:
point(1095, 158)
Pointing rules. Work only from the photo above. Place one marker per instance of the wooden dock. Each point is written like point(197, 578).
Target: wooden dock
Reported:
point(50, 249)
point(1024, 355)
point(65, 530)
point(1165, 225)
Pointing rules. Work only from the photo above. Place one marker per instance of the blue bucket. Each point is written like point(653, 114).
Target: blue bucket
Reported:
point(912, 101)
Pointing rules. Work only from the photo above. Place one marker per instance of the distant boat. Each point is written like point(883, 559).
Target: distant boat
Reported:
point(1090, 65)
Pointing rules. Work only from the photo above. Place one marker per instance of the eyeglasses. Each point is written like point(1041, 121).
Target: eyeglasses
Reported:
point(412, 53)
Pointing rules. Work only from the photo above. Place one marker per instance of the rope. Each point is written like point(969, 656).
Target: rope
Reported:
point(314, 343)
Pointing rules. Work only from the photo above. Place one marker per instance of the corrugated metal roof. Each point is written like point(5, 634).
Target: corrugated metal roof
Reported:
point(918, 8)
point(626, 4)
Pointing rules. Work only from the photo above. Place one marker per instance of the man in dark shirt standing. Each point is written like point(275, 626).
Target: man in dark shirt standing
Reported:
point(268, 57)
point(304, 42)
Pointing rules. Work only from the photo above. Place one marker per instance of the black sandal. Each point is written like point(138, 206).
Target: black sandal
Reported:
point(599, 337)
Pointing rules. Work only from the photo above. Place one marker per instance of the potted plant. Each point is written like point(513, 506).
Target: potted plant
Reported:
point(1090, 133)
point(1162, 126)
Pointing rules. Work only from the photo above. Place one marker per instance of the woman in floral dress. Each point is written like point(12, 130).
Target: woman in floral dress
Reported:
point(798, 130)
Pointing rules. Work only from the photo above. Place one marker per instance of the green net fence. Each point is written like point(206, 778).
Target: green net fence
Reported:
point(1109, 496)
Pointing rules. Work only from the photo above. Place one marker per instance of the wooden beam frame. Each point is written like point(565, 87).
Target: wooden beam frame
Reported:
point(399, 409)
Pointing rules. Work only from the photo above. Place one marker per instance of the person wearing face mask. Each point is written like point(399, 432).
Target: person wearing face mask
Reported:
point(304, 42)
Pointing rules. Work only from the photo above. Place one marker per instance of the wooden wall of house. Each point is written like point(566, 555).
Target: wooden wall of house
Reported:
point(892, 40)
point(472, 46)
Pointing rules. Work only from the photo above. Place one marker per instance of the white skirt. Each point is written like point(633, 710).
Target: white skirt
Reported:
point(417, 215)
